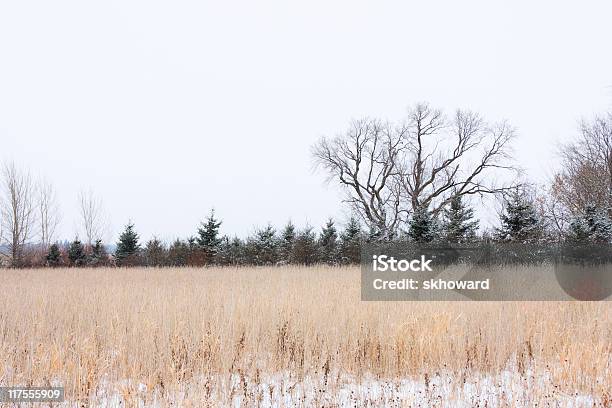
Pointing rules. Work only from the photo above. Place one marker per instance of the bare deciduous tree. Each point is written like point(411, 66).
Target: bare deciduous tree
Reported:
point(554, 212)
point(453, 158)
point(93, 219)
point(48, 212)
point(366, 161)
point(389, 171)
point(18, 211)
point(586, 176)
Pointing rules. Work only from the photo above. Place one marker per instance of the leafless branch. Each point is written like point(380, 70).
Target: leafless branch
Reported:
point(389, 171)
point(48, 212)
point(586, 175)
point(17, 210)
point(93, 219)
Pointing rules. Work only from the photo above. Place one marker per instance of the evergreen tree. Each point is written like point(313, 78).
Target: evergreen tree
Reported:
point(593, 226)
point(328, 243)
point(231, 251)
point(600, 224)
point(128, 246)
point(263, 247)
point(192, 243)
point(76, 253)
point(98, 255)
point(519, 221)
point(236, 252)
point(305, 248)
point(423, 227)
point(208, 238)
point(54, 256)
point(286, 242)
point(350, 242)
point(578, 231)
point(155, 252)
point(223, 251)
point(459, 226)
point(178, 253)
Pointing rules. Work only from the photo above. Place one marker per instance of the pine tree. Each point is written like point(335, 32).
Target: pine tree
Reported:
point(305, 248)
point(599, 224)
point(578, 231)
point(350, 242)
point(54, 255)
point(519, 221)
point(328, 243)
point(286, 242)
point(459, 226)
point(76, 253)
point(231, 251)
point(593, 226)
point(128, 246)
point(236, 252)
point(192, 243)
point(263, 247)
point(98, 255)
point(208, 238)
point(423, 227)
point(155, 252)
point(178, 253)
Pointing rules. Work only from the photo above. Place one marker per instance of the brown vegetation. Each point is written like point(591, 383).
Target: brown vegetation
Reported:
point(153, 333)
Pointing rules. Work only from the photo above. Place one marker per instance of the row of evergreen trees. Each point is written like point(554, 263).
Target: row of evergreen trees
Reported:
point(78, 254)
point(520, 222)
point(265, 247)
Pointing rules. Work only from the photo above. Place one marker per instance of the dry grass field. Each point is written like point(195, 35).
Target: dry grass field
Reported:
point(290, 337)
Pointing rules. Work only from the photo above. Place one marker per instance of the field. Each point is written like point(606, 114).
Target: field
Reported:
point(290, 337)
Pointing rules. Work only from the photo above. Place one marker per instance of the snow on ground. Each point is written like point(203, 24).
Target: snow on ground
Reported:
point(508, 389)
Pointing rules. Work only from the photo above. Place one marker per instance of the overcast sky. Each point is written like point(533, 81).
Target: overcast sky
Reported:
point(168, 108)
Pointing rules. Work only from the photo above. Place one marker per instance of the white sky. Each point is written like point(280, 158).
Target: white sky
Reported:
point(168, 108)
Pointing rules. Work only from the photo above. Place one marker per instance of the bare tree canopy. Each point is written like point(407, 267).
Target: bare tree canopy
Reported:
point(586, 175)
point(366, 161)
point(48, 212)
point(93, 219)
point(17, 210)
point(390, 170)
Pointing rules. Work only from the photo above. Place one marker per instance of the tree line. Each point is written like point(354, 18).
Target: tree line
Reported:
point(520, 222)
point(209, 247)
point(410, 181)
point(400, 178)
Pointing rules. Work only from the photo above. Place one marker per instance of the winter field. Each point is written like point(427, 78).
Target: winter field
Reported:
point(195, 337)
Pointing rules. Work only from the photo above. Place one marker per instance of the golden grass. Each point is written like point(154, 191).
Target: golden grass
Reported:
point(165, 328)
